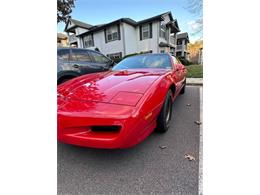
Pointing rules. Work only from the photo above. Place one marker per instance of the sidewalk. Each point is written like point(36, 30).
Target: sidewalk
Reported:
point(194, 81)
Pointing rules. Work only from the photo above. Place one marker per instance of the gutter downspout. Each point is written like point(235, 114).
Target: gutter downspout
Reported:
point(123, 40)
point(158, 33)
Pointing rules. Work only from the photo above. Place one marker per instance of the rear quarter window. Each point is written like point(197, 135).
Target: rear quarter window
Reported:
point(63, 54)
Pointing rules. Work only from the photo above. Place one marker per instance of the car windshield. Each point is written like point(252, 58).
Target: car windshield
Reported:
point(145, 61)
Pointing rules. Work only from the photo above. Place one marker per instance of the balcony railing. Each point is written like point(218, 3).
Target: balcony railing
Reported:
point(72, 38)
point(181, 47)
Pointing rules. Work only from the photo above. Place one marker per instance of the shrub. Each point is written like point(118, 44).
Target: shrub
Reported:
point(132, 54)
point(184, 61)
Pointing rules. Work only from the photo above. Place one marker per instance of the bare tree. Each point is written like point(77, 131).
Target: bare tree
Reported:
point(196, 8)
point(64, 8)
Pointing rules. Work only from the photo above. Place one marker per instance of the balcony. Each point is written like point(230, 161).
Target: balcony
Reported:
point(72, 38)
point(181, 47)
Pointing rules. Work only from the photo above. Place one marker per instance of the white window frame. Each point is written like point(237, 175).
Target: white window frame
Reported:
point(112, 33)
point(145, 29)
point(88, 41)
point(163, 30)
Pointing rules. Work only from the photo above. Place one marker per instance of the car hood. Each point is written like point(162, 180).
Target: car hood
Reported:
point(102, 87)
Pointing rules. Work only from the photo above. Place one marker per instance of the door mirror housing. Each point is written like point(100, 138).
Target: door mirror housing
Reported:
point(111, 63)
point(178, 67)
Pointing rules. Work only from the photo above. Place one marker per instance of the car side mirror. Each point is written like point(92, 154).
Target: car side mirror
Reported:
point(111, 63)
point(179, 67)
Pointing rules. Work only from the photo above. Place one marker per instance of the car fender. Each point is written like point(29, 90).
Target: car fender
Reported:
point(148, 108)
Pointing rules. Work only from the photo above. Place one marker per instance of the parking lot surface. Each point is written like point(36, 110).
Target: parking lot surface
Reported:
point(155, 166)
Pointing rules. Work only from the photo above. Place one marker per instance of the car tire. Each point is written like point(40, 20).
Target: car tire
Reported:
point(183, 88)
point(164, 119)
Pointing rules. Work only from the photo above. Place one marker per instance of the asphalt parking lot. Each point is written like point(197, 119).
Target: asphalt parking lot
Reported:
point(144, 169)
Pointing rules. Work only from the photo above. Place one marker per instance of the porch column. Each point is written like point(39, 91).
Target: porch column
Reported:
point(182, 49)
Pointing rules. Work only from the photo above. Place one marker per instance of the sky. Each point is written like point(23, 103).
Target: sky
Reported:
point(103, 11)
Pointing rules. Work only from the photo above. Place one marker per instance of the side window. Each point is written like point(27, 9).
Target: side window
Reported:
point(80, 55)
point(99, 57)
point(63, 54)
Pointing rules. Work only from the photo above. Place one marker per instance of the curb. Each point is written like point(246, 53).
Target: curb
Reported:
point(194, 81)
point(194, 84)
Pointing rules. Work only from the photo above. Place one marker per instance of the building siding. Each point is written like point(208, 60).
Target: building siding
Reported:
point(130, 42)
point(109, 47)
point(130, 39)
point(150, 43)
point(80, 30)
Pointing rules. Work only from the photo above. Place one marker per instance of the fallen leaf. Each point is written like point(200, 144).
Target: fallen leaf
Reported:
point(188, 104)
point(189, 157)
point(197, 122)
point(163, 147)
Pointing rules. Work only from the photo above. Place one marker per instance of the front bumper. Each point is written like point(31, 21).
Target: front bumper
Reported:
point(74, 125)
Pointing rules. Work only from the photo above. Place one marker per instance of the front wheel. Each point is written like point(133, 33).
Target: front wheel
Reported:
point(163, 122)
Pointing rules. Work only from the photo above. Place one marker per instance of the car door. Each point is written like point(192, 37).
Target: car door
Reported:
point(100, 60)
point(182, 70)
point(63, 59)
point(177, 73)
point(63, 63)
point(81, 62)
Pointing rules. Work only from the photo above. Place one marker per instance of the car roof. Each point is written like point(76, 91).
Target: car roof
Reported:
point(75, 48)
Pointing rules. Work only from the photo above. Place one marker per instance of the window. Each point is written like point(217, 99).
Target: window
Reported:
point(161, 61)
point(80, 55)
point(178, 53)
point(63, 54)
point(88, 41)
point(145, 31)
point(115, 56)
point(162, 51)
point(172, 50)
point(99, 57)
point(147, 51)
point(179, 42)
point(112, 33)
point(163, 30)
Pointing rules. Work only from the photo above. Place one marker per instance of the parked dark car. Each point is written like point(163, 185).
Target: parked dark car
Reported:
point(73, 62)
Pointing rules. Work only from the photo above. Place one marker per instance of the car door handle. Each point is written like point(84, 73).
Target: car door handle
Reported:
point(76, 66)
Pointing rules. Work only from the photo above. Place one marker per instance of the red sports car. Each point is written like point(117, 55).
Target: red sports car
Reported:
point(121, 107)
